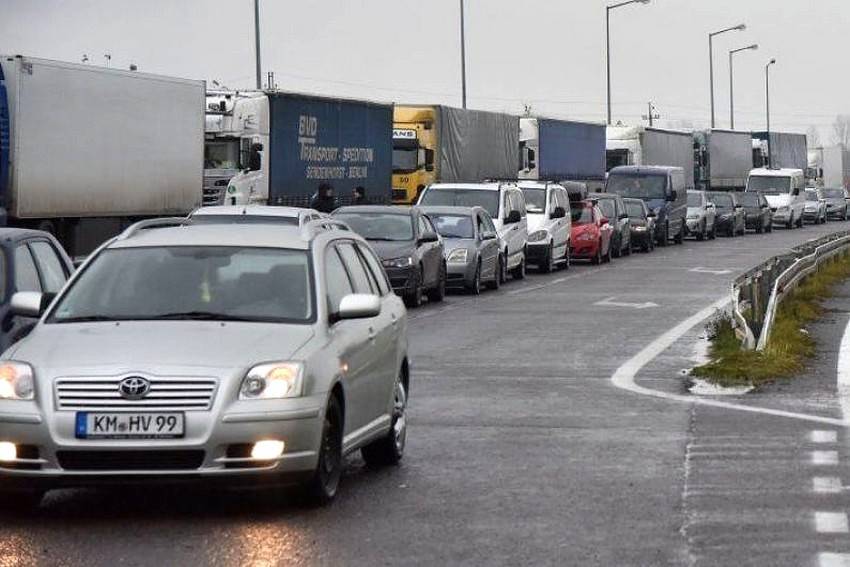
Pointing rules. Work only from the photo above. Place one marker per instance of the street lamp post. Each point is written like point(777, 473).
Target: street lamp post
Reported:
point(462, 55)
point(257, 42)
point(752, 47)
point(739, 27)
point(608, 42)
point(767, 104)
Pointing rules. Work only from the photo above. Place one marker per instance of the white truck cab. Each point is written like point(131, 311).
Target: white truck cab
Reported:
point(783, 189)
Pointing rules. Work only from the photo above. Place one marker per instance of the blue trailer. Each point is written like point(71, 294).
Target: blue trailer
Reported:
point(561, 150)
point(307, 140)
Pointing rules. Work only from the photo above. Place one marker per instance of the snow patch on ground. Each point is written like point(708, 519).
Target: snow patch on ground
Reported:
point(702, 387)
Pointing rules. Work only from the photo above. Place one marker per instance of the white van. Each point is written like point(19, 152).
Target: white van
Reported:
point(506, 205)
point(783, 189)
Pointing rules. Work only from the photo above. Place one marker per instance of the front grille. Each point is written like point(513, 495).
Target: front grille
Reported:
point(130, 460)
point(213, 196)
point(182, 394)
point(399, 195)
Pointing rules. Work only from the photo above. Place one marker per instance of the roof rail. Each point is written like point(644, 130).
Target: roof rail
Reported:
point(313, 227)
point(162, 222)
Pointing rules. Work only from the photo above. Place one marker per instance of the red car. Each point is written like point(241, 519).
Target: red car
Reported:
point(591, 233)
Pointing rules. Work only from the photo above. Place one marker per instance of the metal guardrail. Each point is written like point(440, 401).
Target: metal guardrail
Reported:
point(757, 293)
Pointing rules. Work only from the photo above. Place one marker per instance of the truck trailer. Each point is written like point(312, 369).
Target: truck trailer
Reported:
point(722, 160)
point(639, 145)
point(829, 167)
point(440, 144)
point(291, 143)
point(562, 150)
point(780, 150)
point(85, 150)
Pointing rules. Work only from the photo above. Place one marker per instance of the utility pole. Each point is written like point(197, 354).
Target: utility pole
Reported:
point(652, 115)
point(257, 42)
point(767, 104)
point(462, 55)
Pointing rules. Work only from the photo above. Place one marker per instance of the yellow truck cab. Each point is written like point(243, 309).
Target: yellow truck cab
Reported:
point(414, 141)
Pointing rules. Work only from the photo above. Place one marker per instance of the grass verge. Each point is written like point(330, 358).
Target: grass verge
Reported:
point(789, 345)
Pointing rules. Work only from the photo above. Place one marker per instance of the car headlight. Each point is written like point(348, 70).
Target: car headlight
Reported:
point(538, 235)
point(458, 256)
point(693, 217)
point(398, 262)
point(587, 236)
point(273, 381)
point(16, 381)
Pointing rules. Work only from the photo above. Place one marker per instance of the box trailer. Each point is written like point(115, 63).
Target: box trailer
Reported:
point(295, 142)
point(722, 160)
point(440, 144)
point(780, 150)
point(562, 150)
point(85, 150)
point(639, 145)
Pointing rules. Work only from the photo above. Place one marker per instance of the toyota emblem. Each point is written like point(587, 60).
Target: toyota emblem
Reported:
point(134, 387)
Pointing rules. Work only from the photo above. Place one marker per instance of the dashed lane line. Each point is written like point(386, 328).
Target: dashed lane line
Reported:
point(827, 485)
point(834, 559)
point(823, 436)
point(831, 523)
point(824, 457)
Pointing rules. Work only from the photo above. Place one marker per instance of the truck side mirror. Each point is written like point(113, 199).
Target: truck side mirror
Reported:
point(674, 195)
point(255, 161)
point(429, 160)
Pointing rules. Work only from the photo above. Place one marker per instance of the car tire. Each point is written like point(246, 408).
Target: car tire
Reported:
point(616, 247)
point(475, 287)
point(800, 222)
point(503, 272)
point(567, 261)
point(323, 484)
point(20, 502)
point(438, 293)
point(609, 256)
point(518, 273)
point(701, 235)
point(713, 234)
point(597, 259)
point(496, 282)
point(769, 227)
point(664, 239)
point(389, 450)
point(680, 236)
point(413, 299)
point(548, 263)
point(628, 250)
point(760, 227)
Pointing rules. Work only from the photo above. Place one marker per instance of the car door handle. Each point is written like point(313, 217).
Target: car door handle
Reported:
point(371, 333)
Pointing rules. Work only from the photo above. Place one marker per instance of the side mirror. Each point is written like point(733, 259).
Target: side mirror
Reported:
point(359, 306)
point(28, 304)
point(674, 195)
point(513, 217)
point(429, 236)
point(796, 191)
point(558, 213)
point(488, 236)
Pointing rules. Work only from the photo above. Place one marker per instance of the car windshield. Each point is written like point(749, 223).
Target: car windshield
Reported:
point(811, 195)
point(447, 197)
point(694, 199)
point(607, 208)
point(535, 200)
point(769, 184)
point(380, 226)
point(749, 199)
point(453, 226)
point(635, 210)
point(405, 160)
point(581, 214)
point(637, 186)
point(833, 193)
point(244, 219)
point(722, 201)
point(212, 283)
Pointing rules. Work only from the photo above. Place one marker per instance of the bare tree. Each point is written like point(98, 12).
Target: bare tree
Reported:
point(841, 130)
point(813, 137)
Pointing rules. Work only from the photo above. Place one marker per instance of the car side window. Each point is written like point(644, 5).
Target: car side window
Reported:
point(356, 269)
point(480, 225)
point(336, 279)
point(374, 267)
point(26, 274)
point(488, 223)
point(423, 226)
point(53, 272)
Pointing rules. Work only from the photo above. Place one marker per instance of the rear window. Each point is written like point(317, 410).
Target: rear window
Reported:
point(448, 197)
point(694, 200)
point(833, 193)
point(749, 199)
point(638, 186)
point(244, 219)
point(581, 214)
point(722, 201)
point(634, 210)
point(812, 196)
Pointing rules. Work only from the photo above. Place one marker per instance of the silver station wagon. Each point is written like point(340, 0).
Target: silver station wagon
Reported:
point(242, 352)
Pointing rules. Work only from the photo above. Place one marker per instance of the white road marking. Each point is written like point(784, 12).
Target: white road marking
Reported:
point(824, 457)
point(823, 436)
point(624, 376)
point(831, 523)
point(701, 270)
point(843, 372)
point(826, 484)
point(829, 559)
point(609, 302)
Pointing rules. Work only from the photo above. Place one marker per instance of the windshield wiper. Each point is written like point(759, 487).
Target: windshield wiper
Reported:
point(198, 316)
point(88, 319)
point(382, 239)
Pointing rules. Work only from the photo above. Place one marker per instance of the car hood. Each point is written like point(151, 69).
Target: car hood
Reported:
point(535, 221)
point(835, 201)
point(450, 244)
point(389, 250)
point(812, 205)
point(776, 201)
point(656, 204)
point(158, 346)
point(695, 211)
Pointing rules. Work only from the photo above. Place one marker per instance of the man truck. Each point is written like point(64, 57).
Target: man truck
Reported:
point(722, 160)
point(561, 150)
point(85, 150)
point(291, 143)
point(440, 144)
point(780, 150)
point(642, 146)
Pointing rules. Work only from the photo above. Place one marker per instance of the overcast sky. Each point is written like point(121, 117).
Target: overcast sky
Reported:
point(549, 54)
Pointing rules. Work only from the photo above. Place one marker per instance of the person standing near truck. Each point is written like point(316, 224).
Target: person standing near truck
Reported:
point(324, 201)
point(358, 197)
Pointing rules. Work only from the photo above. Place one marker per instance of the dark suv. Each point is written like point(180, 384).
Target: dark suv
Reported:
point(409, 247)
point(664, 191)
point(614, 209)
point(759, 217)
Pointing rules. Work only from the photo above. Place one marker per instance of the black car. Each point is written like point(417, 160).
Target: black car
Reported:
point(731, 219)
point(642, 222)
point(614, 209)
point(31, 260)
point(759, 217)
point(408, 245)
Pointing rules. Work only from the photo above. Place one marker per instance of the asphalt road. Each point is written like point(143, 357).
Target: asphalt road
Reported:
point(521, 451)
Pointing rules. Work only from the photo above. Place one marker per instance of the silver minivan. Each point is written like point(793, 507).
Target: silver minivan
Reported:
point(506, 205)
point(549, 225)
